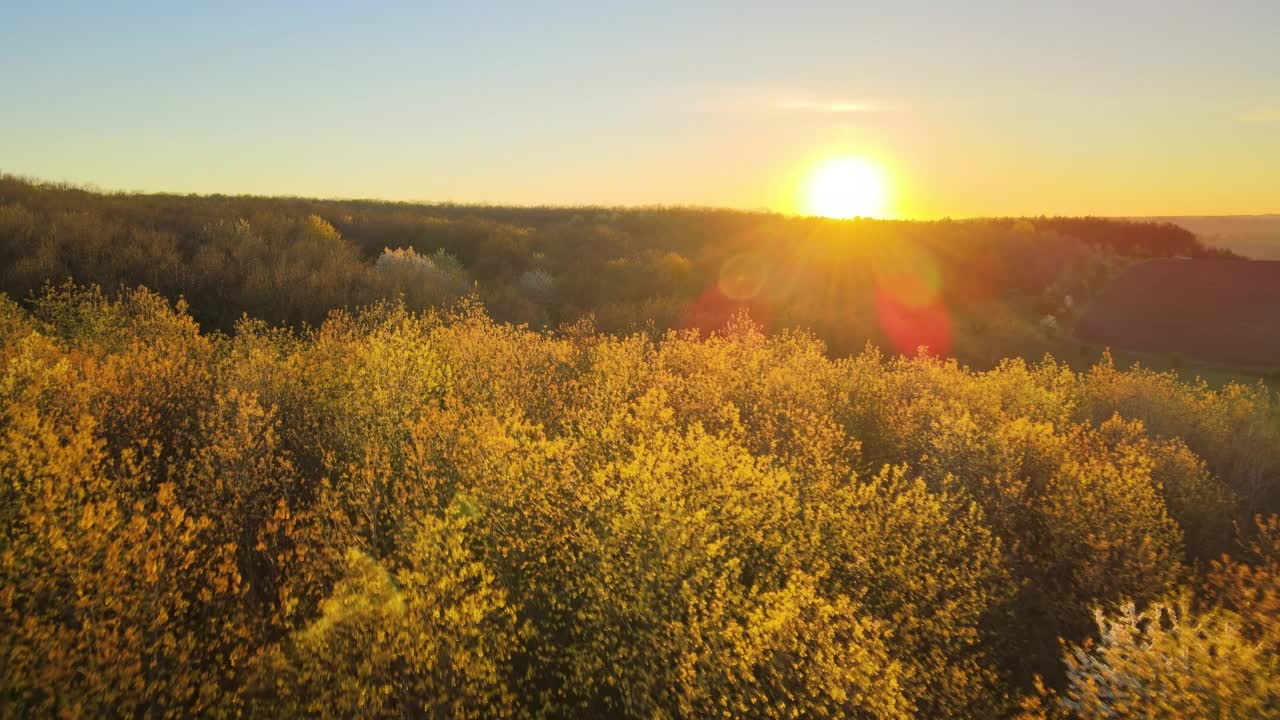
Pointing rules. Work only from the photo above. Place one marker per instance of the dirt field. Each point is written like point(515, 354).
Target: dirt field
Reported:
point(1216, 310)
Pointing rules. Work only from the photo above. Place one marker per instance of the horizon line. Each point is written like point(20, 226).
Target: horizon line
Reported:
point(90, 186)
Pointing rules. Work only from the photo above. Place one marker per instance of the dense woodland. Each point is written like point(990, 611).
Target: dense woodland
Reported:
point(332, 480)
point(973, 289)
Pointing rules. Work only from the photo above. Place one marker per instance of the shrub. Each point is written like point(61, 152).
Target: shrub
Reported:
point(433, 513)
point(1168, 662)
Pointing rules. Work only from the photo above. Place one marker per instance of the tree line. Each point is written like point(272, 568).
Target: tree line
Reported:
point(969, 288)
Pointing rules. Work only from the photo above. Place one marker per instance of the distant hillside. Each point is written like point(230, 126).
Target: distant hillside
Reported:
point(1215, 310)
point(1254, 236)
point(976, 289)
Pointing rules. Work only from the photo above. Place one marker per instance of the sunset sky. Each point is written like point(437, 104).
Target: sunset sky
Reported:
point(1106, 108)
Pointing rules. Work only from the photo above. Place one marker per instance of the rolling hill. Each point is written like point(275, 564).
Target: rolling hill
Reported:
point(1254, 236)
point(1215, 310)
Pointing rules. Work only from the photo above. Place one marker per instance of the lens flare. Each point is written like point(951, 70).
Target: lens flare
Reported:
point(743, 276)
point(907, 272)
point(909, 302)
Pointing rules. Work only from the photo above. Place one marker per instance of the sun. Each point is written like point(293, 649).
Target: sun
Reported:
point(847, 187)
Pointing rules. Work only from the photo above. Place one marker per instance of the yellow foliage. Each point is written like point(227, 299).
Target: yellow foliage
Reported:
point(434, 641)
point(1168, 662)
point(404, 514)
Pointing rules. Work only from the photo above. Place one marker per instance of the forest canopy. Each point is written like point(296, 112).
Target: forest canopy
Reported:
point(277, 457)
point(409, 514)
point(975, 289)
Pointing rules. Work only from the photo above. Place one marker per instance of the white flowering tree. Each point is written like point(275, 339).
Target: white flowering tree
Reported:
point(423, 280)
point(1169, 662)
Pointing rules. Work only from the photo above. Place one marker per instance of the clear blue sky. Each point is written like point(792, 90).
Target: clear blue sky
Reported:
point(990, 108)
